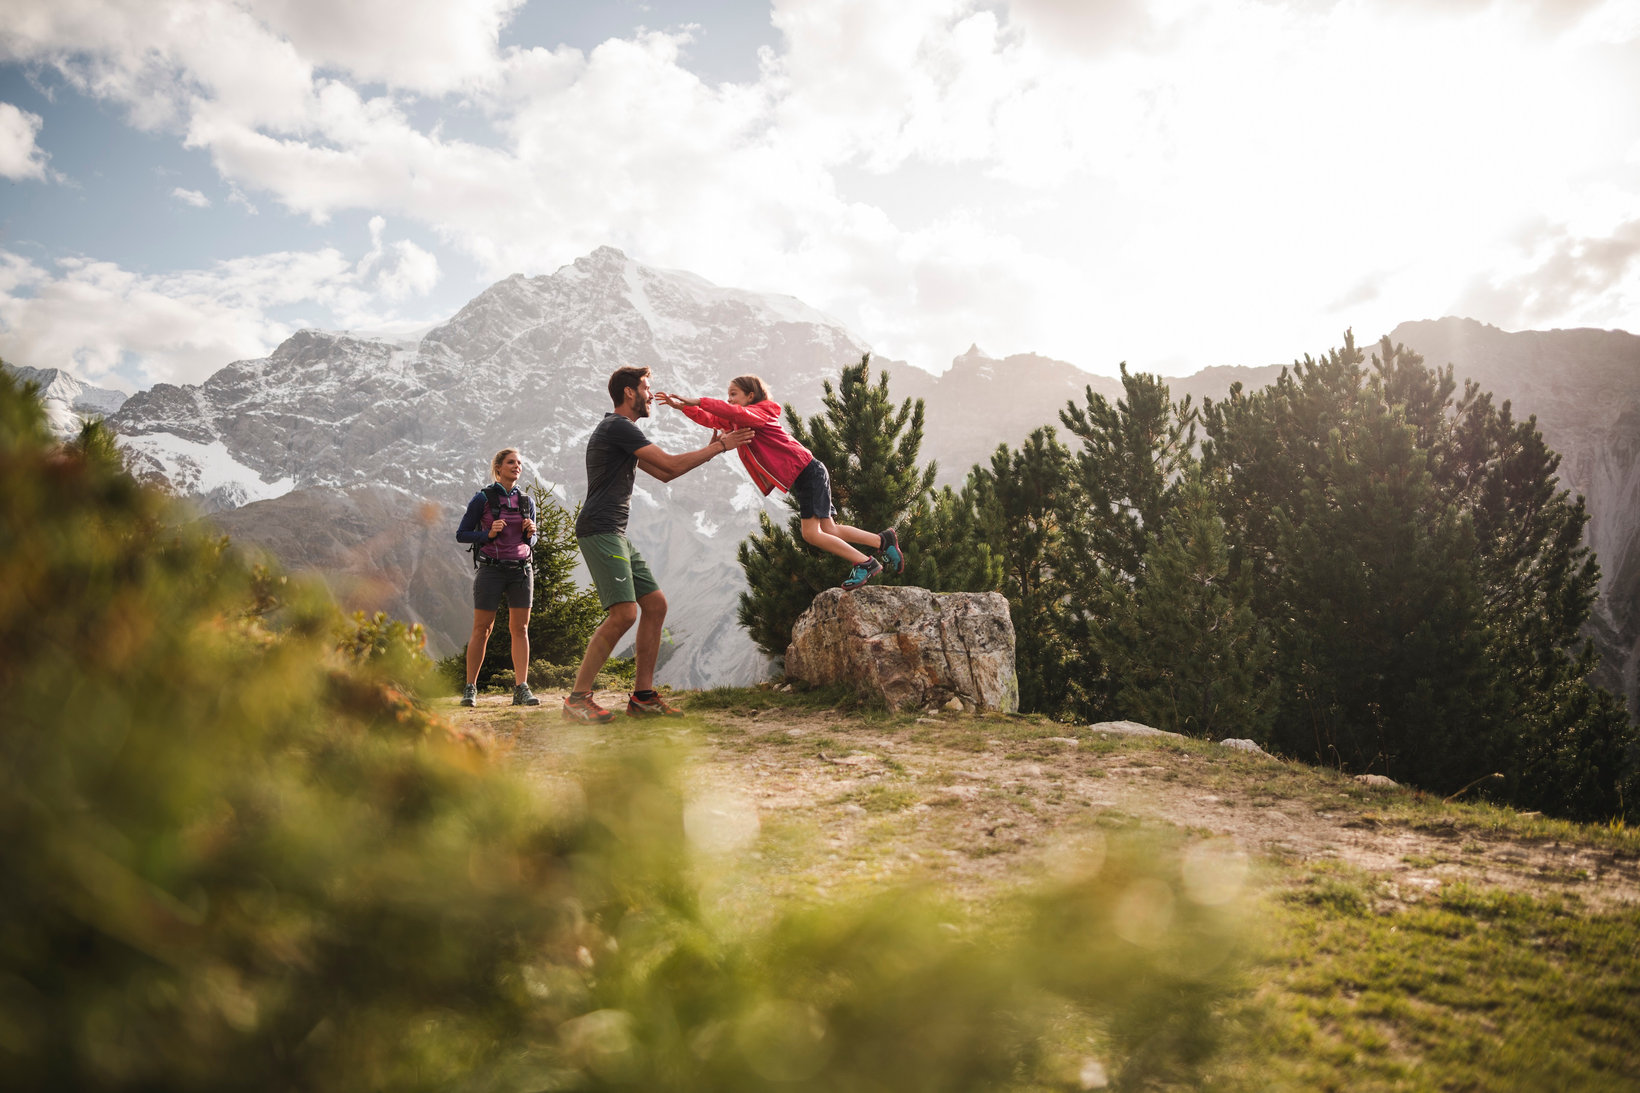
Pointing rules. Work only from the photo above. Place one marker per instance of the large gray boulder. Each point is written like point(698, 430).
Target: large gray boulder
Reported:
point(912, 647)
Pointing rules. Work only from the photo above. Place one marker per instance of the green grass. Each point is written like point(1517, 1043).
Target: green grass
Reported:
point(882, 798)
point(1476, 988)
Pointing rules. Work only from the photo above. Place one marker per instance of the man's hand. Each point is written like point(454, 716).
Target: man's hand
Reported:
point(658, 464)
point(737, 437)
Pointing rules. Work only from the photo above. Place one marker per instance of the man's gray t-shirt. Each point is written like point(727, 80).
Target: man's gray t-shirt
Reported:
point(611, 468)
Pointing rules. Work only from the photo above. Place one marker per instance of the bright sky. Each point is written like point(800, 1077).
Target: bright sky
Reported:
point(1173, 183)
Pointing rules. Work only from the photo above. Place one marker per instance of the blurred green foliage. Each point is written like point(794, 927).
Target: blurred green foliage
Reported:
point(237, 852)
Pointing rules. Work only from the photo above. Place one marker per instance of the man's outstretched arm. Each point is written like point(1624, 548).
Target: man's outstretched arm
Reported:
point(664, 466)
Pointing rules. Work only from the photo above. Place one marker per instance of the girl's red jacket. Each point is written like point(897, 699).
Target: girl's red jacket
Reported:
point(773, 458)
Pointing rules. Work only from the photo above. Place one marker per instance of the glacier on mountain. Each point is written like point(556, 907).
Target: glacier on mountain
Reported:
point(208, 471)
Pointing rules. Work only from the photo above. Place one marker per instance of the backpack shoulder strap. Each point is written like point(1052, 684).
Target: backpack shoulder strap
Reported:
point(492, 502)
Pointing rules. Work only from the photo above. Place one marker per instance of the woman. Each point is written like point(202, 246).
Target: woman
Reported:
point(500, 524)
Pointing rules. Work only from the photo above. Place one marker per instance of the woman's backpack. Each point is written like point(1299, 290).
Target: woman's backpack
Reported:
point(494, 498)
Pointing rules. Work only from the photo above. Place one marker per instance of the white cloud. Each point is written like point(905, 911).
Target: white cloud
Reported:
point(160, 67)
point(432, 46)
point(1561, 278)
point(236, 196)
point(413, 273)
point(1174, 182)
point(1079, 27)
point(98, 319)
point(191, 197)
point(19, 158)
point(88, 316)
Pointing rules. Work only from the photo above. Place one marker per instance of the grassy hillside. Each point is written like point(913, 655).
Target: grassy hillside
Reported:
point(1387, 940)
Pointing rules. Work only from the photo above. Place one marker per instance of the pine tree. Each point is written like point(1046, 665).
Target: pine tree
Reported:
point(782, 580)
point(1382, 646)
point(1188, 651)
point(952, 552)
point(1577, 747)
point(1425, 578)
point(1127, 469)
point(563, 615)
point(1019, 500)
point(1263, 448)
point(1123, 483)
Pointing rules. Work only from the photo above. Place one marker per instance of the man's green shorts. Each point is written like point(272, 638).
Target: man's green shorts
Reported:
point(621, 574)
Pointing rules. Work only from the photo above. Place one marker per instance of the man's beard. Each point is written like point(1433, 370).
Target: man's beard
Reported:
point(643, 407)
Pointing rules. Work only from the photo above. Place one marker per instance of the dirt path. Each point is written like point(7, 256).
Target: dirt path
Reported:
point(973, 801)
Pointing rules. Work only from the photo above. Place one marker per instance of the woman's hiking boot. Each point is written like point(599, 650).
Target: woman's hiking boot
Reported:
point(652, 706)
point(889, 545)
point(469, 695)
point(862, 573)
point(523, 696)
point(582, 708)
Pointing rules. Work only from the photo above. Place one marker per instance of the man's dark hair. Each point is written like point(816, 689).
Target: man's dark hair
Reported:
point(623, 378)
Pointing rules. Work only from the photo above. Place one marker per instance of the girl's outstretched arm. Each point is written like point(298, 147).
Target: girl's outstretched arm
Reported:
point(735, 415)
point(691, 410)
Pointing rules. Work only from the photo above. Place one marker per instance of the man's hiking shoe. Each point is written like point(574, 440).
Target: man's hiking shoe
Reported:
point(469, 695)
point(522, 696)
point(584, 709)
point(893, 558)
point(651, 707)
point(862, 573)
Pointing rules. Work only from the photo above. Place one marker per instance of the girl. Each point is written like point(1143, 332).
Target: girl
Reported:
point(774, 458)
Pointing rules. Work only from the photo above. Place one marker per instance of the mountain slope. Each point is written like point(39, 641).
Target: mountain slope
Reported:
point(68, 401)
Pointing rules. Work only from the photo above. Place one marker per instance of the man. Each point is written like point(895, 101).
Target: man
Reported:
point(626, 588)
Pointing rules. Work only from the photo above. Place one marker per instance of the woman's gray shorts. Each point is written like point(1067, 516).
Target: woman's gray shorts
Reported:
point(491, 582)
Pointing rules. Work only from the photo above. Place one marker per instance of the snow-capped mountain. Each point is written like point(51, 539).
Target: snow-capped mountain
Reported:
point(68, 401)
point(270, 444)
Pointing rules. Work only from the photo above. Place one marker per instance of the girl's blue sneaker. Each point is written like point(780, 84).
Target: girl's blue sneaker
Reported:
point(891, 551)
point(862, 573)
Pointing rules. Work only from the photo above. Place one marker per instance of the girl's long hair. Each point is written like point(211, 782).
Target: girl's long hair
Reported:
point(753, 386)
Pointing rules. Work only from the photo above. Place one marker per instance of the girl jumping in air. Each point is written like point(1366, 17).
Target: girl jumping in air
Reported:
point(774, 458)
